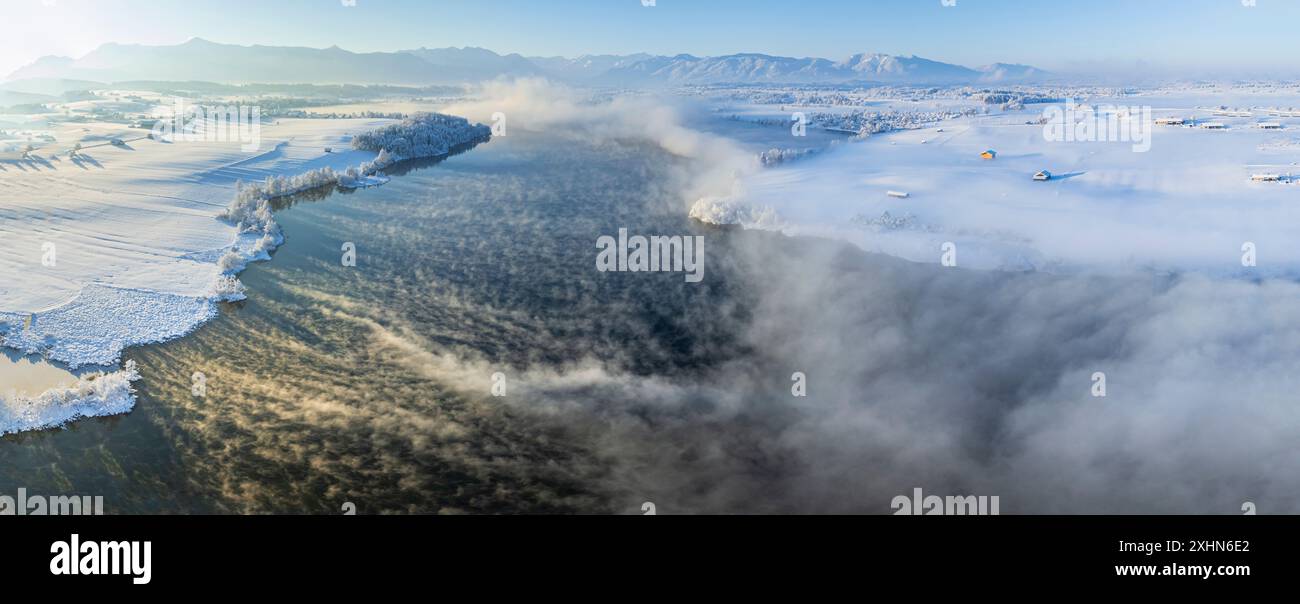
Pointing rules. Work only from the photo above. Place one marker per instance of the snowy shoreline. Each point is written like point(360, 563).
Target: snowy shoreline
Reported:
point(94, 326)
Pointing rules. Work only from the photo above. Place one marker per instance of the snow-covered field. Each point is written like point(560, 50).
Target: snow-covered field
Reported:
point(1188, 203)
point(133, 230)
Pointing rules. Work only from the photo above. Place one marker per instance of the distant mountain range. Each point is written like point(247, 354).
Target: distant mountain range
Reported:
point(686, 69)
point(201, 60)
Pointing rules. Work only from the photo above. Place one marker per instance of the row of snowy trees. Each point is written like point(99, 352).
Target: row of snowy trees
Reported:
point(423, 135)
point(335, 115)
point(251, 211)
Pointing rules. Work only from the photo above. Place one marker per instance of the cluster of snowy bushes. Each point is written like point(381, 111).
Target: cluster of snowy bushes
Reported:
point(250, 210)
point(775, 156)
point(889, 222)
point(228, 289)
point(354, 176)
point(423, 135)
point(730, 211)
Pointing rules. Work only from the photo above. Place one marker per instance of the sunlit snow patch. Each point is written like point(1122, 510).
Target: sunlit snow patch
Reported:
point(93, 395)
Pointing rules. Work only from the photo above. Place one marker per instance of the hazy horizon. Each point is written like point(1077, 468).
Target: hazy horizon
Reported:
point(1193, 39)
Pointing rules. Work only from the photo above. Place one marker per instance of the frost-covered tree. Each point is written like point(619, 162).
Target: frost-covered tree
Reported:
point(230, 262)
point(228, 289)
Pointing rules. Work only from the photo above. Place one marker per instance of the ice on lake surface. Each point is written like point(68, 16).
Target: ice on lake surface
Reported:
point(30, 375)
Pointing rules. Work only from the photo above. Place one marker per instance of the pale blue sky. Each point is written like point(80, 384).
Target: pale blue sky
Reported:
point(1187, 36)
